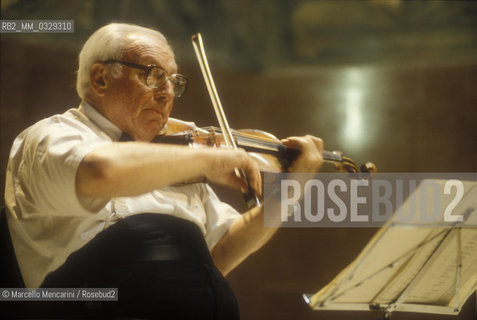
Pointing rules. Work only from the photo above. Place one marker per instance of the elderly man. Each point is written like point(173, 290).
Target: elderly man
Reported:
point(86, 210)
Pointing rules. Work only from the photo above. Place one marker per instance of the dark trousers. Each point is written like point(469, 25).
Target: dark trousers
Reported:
point(162, 269)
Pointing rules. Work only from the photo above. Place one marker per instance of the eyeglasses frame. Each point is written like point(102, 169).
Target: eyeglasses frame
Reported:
point(147, 69)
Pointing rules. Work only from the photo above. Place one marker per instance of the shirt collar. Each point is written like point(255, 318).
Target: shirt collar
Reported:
point(101, 121)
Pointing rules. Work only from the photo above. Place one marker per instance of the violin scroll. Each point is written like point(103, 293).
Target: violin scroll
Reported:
point(368, 167)
point(345, 164)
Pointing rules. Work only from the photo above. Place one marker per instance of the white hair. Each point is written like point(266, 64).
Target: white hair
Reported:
point(109, 42)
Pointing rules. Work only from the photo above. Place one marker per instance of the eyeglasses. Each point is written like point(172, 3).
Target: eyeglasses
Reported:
point(156, 76)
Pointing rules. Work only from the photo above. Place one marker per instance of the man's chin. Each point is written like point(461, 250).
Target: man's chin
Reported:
point(152, 130)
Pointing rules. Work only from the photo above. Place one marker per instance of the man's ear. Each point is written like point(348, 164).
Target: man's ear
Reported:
point(98, 77)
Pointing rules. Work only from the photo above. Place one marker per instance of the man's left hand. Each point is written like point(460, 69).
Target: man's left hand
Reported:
point(310, 158)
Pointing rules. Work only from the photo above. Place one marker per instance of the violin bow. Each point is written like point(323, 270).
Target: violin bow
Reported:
point(198, 45)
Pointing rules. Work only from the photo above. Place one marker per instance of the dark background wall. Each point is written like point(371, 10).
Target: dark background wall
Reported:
point(391, 82)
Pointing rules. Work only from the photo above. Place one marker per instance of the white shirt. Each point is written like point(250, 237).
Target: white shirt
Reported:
point(46, 220)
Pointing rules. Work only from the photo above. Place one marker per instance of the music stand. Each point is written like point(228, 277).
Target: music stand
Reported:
point(410, 265)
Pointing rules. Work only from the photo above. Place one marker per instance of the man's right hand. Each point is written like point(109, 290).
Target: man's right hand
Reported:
point(221, 169)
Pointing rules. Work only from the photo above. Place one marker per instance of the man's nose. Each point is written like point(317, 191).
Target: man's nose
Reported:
point(166, 91)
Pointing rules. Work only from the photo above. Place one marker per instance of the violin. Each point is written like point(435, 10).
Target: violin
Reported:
point(270, 154)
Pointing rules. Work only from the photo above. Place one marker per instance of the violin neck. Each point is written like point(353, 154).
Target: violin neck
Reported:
point(284, 154)
point(332, 156)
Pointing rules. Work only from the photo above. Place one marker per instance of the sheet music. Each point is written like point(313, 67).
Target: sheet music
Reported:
point(380, 260)
point(403, 277)
point(437, 285)
point(411, 266)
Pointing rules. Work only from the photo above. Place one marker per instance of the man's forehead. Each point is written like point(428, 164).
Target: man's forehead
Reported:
point(138, 37)
point(145, 41)
point(149, 48)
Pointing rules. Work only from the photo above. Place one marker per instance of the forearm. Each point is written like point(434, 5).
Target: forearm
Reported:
point(247, 235)
point(133, 168)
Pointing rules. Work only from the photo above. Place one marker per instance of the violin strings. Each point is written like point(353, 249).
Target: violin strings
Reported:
point(273, 145)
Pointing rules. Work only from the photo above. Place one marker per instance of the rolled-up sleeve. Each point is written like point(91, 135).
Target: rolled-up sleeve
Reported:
point(50, 158)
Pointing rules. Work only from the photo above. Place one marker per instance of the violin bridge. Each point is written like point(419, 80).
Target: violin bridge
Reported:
point(212, 139)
